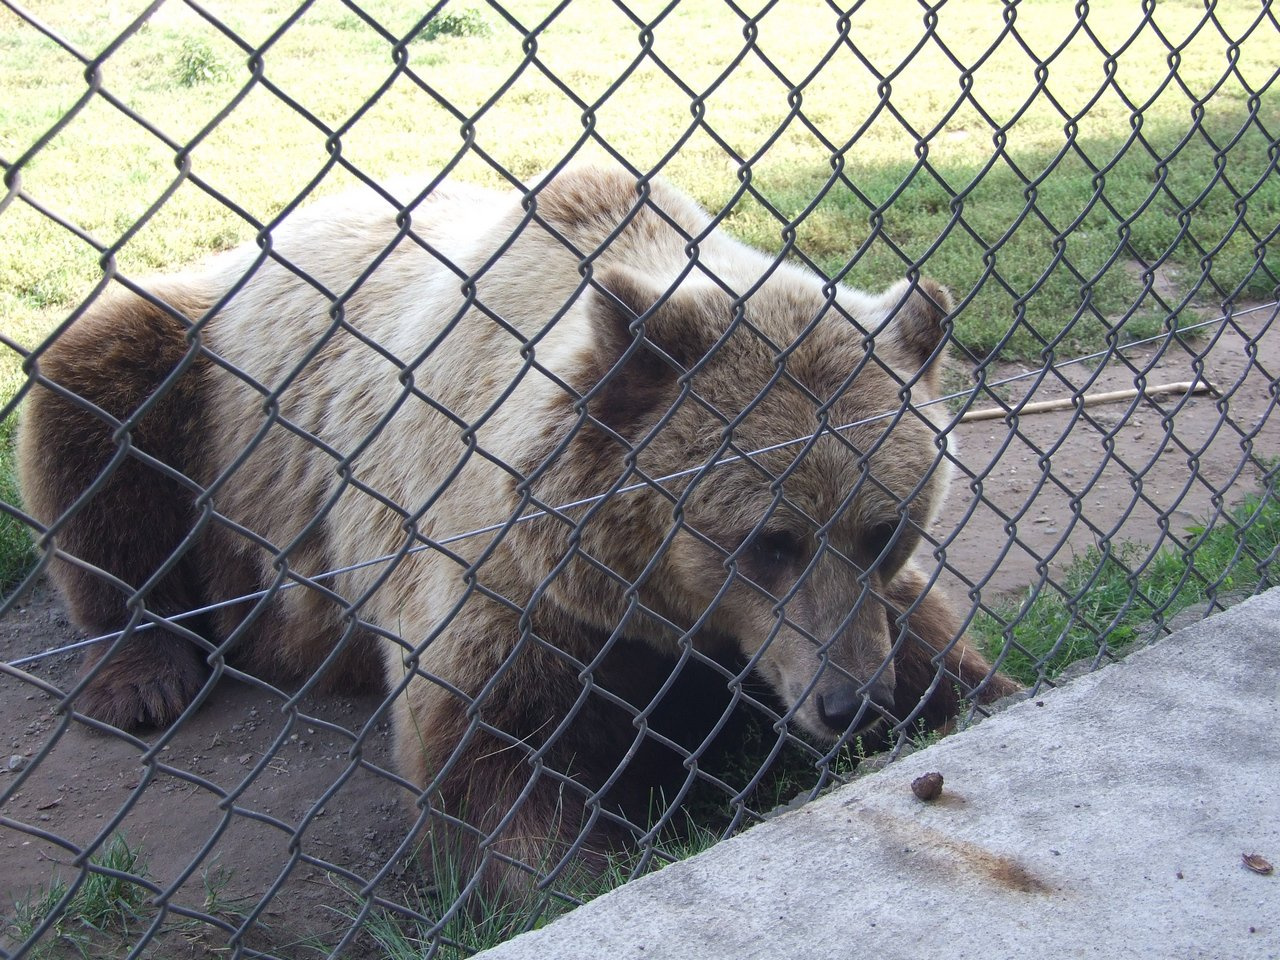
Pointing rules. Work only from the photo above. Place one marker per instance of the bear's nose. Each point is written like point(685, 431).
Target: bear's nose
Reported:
point(837, 708)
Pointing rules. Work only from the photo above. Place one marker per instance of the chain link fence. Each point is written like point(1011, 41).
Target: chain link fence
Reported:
point(457, 547)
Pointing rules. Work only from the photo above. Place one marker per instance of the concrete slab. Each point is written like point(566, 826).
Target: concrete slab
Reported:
point(1105, 819)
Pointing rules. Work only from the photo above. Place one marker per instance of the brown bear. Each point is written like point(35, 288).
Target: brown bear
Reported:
point(526, 458)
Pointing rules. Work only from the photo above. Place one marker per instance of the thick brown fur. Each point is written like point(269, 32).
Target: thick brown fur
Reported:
point(326, 416)
point(129, 354)
point(116, 359)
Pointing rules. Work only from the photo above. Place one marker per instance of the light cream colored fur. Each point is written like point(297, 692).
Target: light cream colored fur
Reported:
point(347, 392)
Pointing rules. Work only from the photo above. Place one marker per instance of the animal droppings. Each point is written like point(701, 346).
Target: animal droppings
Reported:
point(927, 787)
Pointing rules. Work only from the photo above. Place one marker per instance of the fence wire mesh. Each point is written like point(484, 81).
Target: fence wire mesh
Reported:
point(447, 548)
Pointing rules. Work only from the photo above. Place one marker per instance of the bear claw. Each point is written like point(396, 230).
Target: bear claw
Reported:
point(147, 683)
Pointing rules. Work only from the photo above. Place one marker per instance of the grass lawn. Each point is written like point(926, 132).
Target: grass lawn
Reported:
point(996, 206)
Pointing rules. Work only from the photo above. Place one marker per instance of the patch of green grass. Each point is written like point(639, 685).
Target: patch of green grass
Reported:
point(468, 22)
point(30, 913)
point(1105, 602)
point(442, 919)
point(999, 208)
point(103, 904)
point(453, 923)
point(198, 63)
point(105, 913)
point(16, 553)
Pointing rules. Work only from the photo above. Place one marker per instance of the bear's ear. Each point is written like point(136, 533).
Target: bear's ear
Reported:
point(915, 328)
point(615, 301)
point(680, 326)
point(629, 376)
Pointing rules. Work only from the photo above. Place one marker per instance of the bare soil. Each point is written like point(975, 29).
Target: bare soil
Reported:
point(295, 801)
point(1030, 493)
point(288, 805)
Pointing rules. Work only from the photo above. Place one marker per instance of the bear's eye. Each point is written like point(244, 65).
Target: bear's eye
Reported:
point(774, 547)
point(878, 539)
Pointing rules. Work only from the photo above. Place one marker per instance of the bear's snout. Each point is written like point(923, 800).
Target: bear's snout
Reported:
point(838, 707)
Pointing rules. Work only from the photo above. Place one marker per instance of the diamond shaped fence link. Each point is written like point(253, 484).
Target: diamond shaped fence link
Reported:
point(584, 636)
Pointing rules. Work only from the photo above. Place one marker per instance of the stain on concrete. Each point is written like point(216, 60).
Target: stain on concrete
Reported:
point(926, 848)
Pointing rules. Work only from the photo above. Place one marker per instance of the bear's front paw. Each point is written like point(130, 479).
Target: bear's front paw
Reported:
point(146, 683)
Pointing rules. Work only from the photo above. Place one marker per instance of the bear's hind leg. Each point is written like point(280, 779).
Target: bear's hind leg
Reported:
point(136, 518)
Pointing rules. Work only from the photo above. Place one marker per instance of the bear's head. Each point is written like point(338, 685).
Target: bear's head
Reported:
point(778, 470)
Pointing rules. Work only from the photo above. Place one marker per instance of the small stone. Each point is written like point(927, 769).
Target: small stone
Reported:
point(927, 787)
point(17, 762)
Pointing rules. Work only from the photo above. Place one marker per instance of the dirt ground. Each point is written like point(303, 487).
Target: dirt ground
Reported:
point(1033, 494)
point(290, 810)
